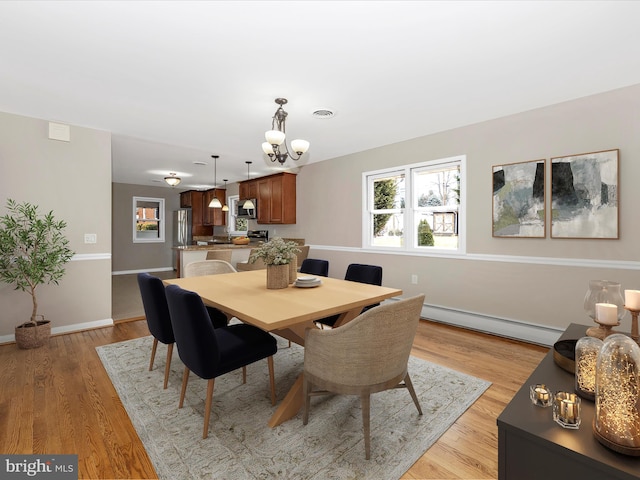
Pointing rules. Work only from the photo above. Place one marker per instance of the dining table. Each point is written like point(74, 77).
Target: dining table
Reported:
point(285, 312)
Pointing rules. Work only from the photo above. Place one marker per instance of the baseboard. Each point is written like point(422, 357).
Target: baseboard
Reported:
point(526, 332)
point(77, 327)
point(145, 270)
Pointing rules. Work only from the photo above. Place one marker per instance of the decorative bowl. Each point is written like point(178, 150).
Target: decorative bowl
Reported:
point(240, 241)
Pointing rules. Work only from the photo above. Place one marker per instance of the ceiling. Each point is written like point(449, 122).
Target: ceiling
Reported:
point(178, 81)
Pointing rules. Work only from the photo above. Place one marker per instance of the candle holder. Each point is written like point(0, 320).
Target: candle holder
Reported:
point(566, 410)
point(603, 291)
point(586, 354)
point(540, 395)
point(616, 423)
point(634, 323)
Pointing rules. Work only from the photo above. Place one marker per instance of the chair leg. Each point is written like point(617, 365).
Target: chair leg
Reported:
point(412, 392)
point(183, 390)
point(306, 391)
point(366, 408)
point(167, 367)
point(207, 408)
point(244, 374)
point(153, 353)
point(272, 381)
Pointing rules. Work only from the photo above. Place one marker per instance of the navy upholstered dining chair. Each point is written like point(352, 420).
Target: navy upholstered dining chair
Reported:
point(210, 352)
point(358, 272)
point(315, 266)
point(156, 312)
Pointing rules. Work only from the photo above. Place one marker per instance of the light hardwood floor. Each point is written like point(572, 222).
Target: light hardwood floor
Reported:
point(59, 399)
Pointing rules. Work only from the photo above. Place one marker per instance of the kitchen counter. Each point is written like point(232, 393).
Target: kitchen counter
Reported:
point(195, 253)
point(215, 246)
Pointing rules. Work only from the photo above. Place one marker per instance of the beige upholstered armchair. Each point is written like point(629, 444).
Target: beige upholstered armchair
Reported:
point(224, 254)
point(365, 356)
point(207, 267)
point(246, 266)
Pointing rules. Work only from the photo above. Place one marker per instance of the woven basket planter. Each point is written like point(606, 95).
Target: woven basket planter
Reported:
point(277, 276)
point(293, 270)
point(29, 335)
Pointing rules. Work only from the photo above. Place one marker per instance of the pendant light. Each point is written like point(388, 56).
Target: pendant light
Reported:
point(248, 204)
point(215, 203)
point(225, 207)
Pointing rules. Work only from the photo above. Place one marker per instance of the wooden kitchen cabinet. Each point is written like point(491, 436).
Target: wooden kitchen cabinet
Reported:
point(194, 199)
point(276, 196)
point(248, 189)
point(213, 216)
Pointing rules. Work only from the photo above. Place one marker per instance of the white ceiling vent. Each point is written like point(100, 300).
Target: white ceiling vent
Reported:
point(323, 113)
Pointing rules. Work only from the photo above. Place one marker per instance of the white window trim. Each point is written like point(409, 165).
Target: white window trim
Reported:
point(367, 178)
point(233, 203)
point(161, 222)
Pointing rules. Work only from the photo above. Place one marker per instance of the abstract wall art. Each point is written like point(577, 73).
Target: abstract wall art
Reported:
point(519, 199)
point(584, 195)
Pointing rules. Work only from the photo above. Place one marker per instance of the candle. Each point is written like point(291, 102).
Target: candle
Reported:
point(632, 299)
point(540, 395)
point(566, 410)
point(606, 314)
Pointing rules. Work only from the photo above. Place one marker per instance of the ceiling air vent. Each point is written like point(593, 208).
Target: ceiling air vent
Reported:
point(323, 113)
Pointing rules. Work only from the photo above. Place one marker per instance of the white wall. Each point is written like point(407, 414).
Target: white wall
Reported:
point(74, 180)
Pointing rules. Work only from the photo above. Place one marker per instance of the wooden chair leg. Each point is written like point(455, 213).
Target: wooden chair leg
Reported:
point(306, 392)
point(412, 392)
point(153, 353)
point(183, 390)
point(272, 381)
point(167, 367)
point(244, 374)
point(366, 408)
point(207, 408)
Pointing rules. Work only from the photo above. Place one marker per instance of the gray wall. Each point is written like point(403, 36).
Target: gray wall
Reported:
point(134, 257)
point(74, 180)
point(539, 282)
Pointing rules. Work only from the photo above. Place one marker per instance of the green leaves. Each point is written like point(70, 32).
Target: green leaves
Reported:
point(33, 248)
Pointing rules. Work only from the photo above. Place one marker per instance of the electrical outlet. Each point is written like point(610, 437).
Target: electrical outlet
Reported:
point(90, 238)
point(414, 279)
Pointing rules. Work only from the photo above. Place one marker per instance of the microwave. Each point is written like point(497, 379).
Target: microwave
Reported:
point(250, 213)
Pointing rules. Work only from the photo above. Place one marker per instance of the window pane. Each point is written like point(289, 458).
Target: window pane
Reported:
point(389, 193)
point(435, 188)
point(389, 230)
point(437, 229)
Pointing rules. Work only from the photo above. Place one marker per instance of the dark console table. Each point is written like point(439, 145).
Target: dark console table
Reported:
point(532, 446)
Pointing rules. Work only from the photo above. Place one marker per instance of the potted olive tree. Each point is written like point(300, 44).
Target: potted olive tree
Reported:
point(33, 251)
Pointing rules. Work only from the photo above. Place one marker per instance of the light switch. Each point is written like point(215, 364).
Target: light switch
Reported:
point(90, 238)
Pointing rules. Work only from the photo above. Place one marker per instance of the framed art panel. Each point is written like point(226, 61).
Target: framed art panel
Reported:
point(584, 195)
point(519, 199)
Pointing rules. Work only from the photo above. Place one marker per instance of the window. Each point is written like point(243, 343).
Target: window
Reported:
point(416, 207)
point(235, 224)
point(148, 220)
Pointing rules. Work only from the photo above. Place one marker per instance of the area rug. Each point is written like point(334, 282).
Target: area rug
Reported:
point(241, 445)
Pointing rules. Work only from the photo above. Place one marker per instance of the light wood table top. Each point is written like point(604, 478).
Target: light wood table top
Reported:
point(245, 296)
point(286, 312)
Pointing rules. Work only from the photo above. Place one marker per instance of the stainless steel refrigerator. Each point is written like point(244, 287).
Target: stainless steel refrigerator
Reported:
point(182, 235)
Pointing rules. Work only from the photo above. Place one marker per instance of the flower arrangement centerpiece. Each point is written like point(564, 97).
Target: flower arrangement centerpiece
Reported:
point(279, 256)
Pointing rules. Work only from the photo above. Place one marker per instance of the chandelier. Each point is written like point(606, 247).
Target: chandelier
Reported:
point(276, 138)
point(172, 179)
point(215, 203)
